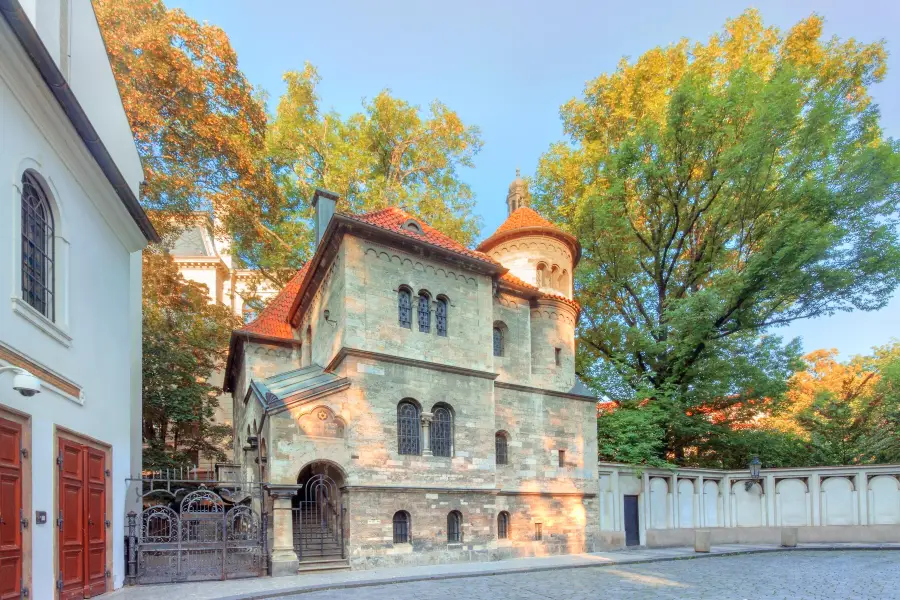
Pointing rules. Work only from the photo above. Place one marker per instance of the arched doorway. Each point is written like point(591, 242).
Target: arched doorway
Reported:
point(318, 515)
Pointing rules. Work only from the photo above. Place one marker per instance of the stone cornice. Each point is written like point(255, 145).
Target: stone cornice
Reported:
point(462, 490)
point(534, 390)
point(409, 362)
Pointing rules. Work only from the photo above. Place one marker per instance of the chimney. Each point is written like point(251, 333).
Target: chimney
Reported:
point(324, 202)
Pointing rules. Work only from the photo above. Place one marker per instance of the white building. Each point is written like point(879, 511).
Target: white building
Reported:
point(71, 232)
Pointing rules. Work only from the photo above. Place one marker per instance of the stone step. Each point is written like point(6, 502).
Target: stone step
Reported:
point(323, 565)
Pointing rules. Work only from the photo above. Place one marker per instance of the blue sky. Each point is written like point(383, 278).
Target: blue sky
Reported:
point(508, 66)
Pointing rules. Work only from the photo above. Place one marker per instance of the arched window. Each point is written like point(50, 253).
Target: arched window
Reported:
point(442, 432)
point(503, 525)
point(454, 526)
point(424, 312)
point(500, 447)
point(555, 277)
point(401, 527)
point(404, 307)
point(37, 247)
point(498, 340)
point(440, 313)
point(564, 287)
point(407, 428)
point(541, 277)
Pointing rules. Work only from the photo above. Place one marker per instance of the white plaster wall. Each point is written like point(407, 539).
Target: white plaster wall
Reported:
point(711, 503)
point(659, 491)
point(98, 295)
point(837, 501)
point(791, 502)
point(686, 503)
point(885, 494)
point(748, 504)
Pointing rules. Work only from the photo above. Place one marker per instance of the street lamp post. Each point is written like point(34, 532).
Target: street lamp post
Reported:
point(754, 466)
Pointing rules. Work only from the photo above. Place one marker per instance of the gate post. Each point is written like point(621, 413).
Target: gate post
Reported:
point(131, 570)
point(284, 559)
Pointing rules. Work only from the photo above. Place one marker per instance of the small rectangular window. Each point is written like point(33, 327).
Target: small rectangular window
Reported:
point(562, 458)
point(538, 532)
point(558, 356)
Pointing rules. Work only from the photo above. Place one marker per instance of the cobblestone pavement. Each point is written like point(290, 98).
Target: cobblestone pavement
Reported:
point(791, 576)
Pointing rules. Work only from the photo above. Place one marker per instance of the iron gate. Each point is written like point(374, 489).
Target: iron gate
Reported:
point(318, 520)
point(202, 540)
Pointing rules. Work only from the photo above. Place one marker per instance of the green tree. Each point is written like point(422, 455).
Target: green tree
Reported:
point(390, 154)
point(719, 191)
point(185, 340)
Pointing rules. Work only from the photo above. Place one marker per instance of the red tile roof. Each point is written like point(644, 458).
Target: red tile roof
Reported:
point(274, 321)
point(515, 281)
point(526, 219)
point(394, 219)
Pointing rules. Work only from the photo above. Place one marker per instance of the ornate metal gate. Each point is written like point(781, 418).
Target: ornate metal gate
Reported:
point(319, 520)
point(201, 541)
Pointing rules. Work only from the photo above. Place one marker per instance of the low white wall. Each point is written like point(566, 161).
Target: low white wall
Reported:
point(827, 504)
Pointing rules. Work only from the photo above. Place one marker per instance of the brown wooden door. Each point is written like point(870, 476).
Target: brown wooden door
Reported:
point(10, 510)
point(71, 524)
point(95, 533)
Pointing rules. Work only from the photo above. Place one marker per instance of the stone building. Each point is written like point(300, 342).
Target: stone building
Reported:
point(408, 400)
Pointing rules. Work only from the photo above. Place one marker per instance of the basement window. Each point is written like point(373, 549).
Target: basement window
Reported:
point(538, 532)
point(562, 458)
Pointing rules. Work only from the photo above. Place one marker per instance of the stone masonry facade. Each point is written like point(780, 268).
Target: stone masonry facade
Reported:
point(329, 394)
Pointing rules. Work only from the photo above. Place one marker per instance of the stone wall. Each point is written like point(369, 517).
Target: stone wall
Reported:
point(522, 256)
point(850, 503)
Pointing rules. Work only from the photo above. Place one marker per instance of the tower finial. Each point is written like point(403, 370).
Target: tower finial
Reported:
point(518, 193)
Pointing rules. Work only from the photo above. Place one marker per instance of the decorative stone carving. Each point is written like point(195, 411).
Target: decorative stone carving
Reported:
point(321, 422)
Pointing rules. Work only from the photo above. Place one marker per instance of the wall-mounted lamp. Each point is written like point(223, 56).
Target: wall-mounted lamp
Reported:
point(24, 382)
point(754, 466)
point(327, 314)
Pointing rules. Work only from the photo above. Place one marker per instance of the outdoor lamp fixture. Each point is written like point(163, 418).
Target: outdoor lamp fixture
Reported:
point(327, 314)
point(754, 466)
point(24, 382)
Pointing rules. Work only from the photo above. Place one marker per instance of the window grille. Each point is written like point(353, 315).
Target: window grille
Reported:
point(37, 248)
point(424, 312)
point(500, 447)
point(498, 341)
point(503, 525)
point(401, 527)
point(442, 432)
point(404, 308)
point(441, 316)
point(538, 532)
point(562, 458)
point(407, 428)
point(454, 526)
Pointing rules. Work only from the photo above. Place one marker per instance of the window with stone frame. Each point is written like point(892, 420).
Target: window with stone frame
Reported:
point(442, 432)
point(424, 311)
point(404, 307)
point(440, 314)
point(503, 525)
point(454, 527)
point(408, 428)
point(401, 527)
point(38, 238)
point(500, 447)
point(498, 340)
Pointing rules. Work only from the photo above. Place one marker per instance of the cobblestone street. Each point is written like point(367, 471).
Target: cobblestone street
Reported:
point(789, 576)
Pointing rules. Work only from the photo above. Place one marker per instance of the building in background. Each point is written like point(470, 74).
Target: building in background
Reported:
point(408, 400)
point(71, 234)
point(205, 258)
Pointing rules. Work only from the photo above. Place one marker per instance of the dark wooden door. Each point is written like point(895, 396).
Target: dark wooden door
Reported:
point(82, 524)
point(95, 530)
point(632, 522)
point(10, 510)
point(71, 519)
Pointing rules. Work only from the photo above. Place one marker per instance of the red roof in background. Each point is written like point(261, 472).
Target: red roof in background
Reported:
point(394, 219)
point(274, 321)
point(524, 219)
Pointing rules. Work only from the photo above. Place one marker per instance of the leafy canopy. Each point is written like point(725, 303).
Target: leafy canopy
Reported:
point(720, 190)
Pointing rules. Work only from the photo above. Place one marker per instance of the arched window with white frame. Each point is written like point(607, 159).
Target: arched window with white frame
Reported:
point(38, 251)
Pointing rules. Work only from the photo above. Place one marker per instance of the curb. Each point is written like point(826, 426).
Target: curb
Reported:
point(307, 589)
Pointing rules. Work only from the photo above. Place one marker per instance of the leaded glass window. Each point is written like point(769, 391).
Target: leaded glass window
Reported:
point(442, 432)
point(424, 312)
point(498, 341)
point(37, 247)
point(407, 428)
point(401, 527)
point(454, 526)
point(440, 313)
point(404, 308)
point(503, 525)
point(500, 447)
